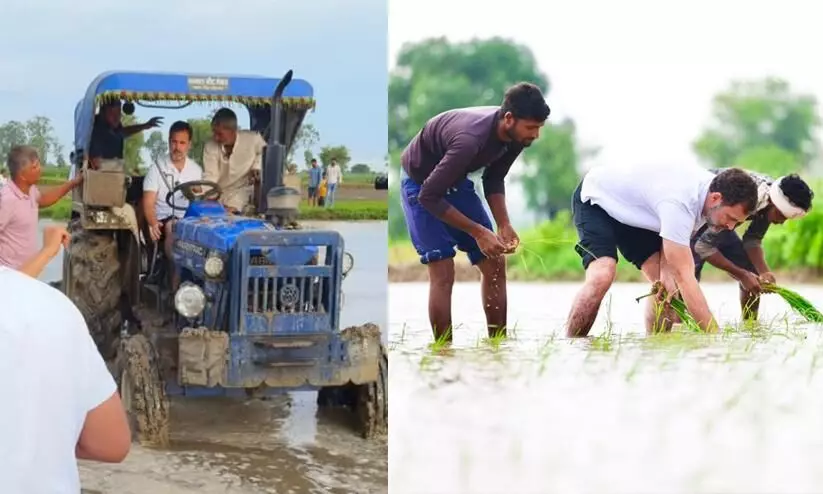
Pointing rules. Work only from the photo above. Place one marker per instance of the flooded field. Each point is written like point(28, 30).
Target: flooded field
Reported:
point(281, 445)
point(737, 412)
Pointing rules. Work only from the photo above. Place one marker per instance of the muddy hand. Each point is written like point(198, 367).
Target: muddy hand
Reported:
point(490, 244)
point(154, 122)
point(767, 279)
point(750, 282)
point(509, 238)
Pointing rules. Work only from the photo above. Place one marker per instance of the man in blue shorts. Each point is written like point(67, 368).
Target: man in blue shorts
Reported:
point(443, 210)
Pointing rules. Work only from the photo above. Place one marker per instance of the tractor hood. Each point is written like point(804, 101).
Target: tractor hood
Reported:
point(220, 233)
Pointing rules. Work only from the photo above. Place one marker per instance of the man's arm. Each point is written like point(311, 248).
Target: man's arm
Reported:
point(51, 195)
point(705, 248)
point(54, 237)
point(462, 148)
point(753, 242)
point(676, 224)
point(151, 185)
point(137, 128)
point(211, 169)
point(105, 435)
point(494, 185)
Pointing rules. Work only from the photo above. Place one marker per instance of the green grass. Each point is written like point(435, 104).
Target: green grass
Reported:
point(350, 180)
point(347, 210)
point(61, 210)
point(342, 211)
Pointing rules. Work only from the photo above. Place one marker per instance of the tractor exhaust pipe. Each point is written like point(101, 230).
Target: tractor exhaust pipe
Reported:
point(276, 164)
point(277, 202)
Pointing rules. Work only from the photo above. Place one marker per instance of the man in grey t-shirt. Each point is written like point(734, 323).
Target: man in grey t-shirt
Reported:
point(786, 198)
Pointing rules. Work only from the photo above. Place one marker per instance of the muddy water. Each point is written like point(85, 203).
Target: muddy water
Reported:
point(281, 445)
point(738, 412)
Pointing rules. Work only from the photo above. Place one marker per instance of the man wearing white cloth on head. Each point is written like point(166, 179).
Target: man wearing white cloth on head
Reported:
point(786, 198)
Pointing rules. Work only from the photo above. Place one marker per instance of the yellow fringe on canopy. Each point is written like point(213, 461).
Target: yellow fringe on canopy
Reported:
point(288, 102)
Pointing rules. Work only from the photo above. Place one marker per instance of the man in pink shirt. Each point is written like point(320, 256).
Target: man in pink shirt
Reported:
point(20, 201)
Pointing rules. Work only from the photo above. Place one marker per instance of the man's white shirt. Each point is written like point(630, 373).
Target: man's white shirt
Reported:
point(54, 376)
point(164, 179)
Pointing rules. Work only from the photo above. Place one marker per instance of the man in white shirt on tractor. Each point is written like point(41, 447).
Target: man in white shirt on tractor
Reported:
point(162, 177)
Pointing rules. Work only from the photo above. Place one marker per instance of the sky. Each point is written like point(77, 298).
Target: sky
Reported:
point(54, 48)
point(637, 76)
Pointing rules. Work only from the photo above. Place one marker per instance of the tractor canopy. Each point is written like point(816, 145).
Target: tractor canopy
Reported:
point(160, 90)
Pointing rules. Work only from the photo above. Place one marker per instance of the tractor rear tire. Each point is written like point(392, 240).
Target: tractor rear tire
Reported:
point(93, 281)
point(143, 391)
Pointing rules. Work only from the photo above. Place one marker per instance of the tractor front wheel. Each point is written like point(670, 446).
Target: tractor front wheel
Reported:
point(369, 402)
point(143, 391)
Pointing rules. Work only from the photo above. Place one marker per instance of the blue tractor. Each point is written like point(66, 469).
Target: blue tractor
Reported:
point(257, 311)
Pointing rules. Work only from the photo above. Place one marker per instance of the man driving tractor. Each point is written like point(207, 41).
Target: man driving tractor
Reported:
point(161, 178)
point(233, 159)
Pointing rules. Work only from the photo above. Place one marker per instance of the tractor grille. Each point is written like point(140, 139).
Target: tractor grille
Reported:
point(288, 295)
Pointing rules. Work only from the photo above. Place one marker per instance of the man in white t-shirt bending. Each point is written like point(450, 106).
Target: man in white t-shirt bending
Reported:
point(60, 402)
point(161, 178)
point(643, 211)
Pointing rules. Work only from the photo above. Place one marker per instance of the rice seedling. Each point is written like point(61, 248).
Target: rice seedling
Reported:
point(677, 304)
point(797, 302)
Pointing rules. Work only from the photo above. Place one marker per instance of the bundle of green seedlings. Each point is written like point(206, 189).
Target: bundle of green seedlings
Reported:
point(677, 305)
point(798, 303)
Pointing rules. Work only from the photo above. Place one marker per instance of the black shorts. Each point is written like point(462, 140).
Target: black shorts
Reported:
point(602, 236)
point(312, 192)
point(729, 244)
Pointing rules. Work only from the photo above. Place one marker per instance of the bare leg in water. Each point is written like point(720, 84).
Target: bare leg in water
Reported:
point(749, 304)
point(493, 289)
point(659, 317)
point(599, 278)
point(441, 282)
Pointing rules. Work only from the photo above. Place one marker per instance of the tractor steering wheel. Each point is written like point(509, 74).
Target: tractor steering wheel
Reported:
point(213, 192)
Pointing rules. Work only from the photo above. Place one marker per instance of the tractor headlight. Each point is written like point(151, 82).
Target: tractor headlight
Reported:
point(189, 301)
point(213, 266)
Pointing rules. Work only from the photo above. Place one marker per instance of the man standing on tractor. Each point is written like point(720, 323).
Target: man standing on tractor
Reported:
point(20, 202)
point(786, 198)
point(109, 134)
point(161, 178)
point(233, 159)
point(443, 210)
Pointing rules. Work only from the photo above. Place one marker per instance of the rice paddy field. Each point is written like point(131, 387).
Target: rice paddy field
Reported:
point(618, 412)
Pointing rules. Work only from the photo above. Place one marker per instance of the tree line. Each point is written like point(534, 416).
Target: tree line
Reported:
point(39, 132)
point(761, 125)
